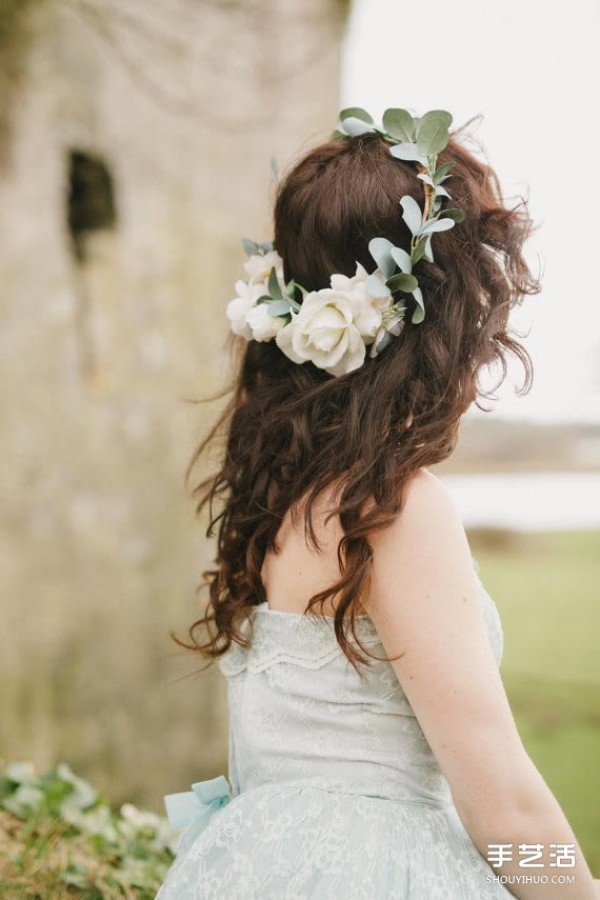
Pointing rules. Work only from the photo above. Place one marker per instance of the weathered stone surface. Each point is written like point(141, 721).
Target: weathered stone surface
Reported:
point(105, 340)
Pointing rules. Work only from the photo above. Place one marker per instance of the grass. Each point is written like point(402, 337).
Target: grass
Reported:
point(546, 588)
point(59, 839)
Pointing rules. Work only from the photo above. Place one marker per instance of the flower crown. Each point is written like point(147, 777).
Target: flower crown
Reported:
point(332, 327)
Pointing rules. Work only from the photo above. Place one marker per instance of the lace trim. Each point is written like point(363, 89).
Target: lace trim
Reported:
point(300, 641)
point(280, 637)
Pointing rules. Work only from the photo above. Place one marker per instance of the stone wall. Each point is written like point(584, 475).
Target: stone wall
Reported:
point(140, 137)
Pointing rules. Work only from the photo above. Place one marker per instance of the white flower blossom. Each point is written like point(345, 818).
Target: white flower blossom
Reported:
point(324, 333)
point(249, 319)
point(258, 267)
point(333, 326)
point(366, 310)
point(264, 326)
point(239, 307)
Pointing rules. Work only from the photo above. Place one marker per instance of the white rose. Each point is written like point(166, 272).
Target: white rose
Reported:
point(367, 314)
point(263, 325)
point(258, 267)
point(239, 307)
point(324, 333)
point(249, 319)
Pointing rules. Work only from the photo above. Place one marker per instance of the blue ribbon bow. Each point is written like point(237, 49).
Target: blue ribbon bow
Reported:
point(194, 809)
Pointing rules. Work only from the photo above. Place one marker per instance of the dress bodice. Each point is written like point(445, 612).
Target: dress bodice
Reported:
point(333, 790)
point(300, 714)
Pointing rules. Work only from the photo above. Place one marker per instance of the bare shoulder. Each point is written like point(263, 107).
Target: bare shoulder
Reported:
point(425, 591)
point(425, 548)
point(426, 494)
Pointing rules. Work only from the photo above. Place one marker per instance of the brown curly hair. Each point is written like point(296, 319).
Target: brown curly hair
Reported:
point(291, 430)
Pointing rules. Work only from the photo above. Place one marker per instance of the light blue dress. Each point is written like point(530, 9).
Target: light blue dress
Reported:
point(333, 791)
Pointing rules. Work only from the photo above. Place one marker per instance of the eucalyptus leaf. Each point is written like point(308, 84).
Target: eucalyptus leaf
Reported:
point(434, 225)
point(402, 282)
point(419, 313)
point(278, 308)
point(399, 123)
point(408, 152)
point(354, 127)
point(441, 191)
point(267, 246)
point(274, 288)
point(419, 250)
point(375, 287)
point(432, 133)
point(428, 254)
point(380, 249)
point(442, 171)
point(402, 259)
point(356, 112)
point(250, 247)
point(453, 212)
point(412, 213)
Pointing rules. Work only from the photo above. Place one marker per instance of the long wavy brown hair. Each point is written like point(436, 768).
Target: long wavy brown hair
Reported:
point(290, 431)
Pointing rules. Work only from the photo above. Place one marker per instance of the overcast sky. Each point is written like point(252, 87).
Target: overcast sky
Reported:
point(532, 70)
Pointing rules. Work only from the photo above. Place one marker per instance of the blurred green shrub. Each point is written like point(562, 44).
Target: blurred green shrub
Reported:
point(59, 839)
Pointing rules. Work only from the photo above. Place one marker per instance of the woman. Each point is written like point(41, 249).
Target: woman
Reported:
point(373, 753)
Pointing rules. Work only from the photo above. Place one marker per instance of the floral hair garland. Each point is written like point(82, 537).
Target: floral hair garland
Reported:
point(333, 327)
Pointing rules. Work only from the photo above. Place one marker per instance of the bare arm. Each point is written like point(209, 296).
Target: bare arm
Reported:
point(424, 602)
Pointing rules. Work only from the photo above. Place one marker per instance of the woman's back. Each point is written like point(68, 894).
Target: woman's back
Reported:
point(297, 572)
point(335, 789)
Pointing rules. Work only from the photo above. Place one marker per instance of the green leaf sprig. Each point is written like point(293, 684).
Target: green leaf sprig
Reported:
point(417, 140)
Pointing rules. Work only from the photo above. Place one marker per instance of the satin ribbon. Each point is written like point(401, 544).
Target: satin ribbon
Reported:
point(194, 809)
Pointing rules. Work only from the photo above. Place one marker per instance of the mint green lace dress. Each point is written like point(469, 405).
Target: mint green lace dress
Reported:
point(333, 790)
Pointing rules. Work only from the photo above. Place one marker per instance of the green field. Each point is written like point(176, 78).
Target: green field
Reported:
point(547, 590)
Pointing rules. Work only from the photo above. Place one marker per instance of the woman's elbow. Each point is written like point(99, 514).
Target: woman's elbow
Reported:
point(512, 792)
